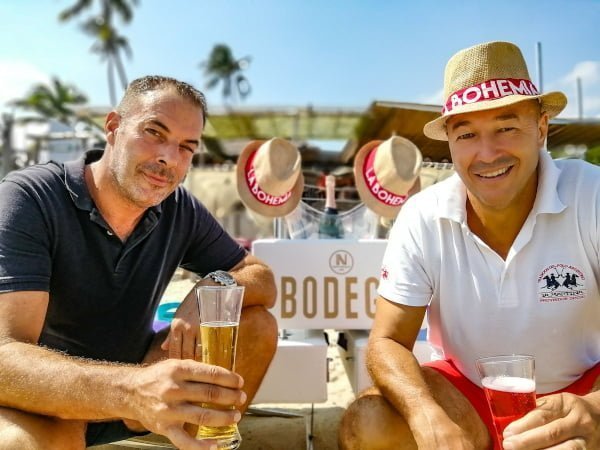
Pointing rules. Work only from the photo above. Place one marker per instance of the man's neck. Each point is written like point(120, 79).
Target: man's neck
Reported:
point(121, 215)
point(498, 230)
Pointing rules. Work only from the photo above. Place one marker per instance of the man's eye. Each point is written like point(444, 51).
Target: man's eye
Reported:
point(505, 129)
point(186, 148)
point(153, 132)
point(465, 136)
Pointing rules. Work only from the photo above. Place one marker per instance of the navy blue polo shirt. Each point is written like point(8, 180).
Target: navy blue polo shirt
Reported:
point(102, 292)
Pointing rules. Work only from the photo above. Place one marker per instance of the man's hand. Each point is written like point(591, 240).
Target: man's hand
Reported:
point(183, 341)
point(168, 394)
point(560, 421)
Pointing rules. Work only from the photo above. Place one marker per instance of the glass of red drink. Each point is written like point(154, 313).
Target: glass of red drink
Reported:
point(509, 385)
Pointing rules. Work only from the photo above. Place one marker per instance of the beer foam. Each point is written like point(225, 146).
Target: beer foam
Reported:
point(509, 384)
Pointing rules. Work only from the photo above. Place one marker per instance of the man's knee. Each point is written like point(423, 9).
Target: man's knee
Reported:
point(24, 431)
point(260, 326)
point(371, 423)
point(458, 408)
point(596, 385)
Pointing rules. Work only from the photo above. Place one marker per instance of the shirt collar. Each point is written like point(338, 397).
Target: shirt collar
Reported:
point(453, 197)
point(75, 179)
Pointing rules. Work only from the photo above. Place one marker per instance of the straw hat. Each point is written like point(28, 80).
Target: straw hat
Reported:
point(269, 177)
point(385, 172)
point(488, 76)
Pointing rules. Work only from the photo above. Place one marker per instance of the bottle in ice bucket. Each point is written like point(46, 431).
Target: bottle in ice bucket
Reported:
point(330, 224)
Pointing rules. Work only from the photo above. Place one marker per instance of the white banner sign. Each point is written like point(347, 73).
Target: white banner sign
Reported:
point(326, 283)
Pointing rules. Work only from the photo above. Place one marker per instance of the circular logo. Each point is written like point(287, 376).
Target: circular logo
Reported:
point(341, 262)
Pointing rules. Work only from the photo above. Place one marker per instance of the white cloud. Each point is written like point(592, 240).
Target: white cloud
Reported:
point(16, 78)
point(587, 71)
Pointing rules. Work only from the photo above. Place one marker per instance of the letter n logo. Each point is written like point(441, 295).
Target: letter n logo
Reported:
point(341, 262)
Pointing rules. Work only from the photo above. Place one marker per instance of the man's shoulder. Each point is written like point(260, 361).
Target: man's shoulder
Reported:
point(37, 176)
point(576, 172)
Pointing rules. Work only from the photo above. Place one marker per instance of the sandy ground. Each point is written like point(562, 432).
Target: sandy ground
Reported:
point(279, 433)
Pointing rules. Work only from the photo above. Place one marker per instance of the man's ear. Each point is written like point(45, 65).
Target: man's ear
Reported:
point(111, 125)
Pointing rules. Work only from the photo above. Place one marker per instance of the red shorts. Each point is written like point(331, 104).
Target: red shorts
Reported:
point(476, 396)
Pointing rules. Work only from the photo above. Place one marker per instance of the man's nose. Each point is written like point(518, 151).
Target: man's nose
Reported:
point(489, 148)
point(168, 153)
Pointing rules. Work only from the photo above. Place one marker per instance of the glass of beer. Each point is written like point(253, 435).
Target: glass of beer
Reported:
point(220, 308)
point(509, 386)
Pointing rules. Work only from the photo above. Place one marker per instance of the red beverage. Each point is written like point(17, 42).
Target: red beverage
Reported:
point(510, 398)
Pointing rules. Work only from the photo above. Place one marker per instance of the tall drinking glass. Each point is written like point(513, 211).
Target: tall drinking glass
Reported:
point(509, 385)
point(220, 308)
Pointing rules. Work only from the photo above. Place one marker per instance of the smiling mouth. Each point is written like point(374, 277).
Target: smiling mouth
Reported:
point(157, 181)
point(495, 173)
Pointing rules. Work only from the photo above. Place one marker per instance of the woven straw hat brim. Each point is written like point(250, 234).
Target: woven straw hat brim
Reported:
point(552, 103)
point(250, 201)
point(387, 211)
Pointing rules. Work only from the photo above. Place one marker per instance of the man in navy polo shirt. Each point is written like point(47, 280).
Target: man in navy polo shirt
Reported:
point(86, 251)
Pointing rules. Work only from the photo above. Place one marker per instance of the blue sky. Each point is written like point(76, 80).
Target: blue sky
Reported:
point(328, 53)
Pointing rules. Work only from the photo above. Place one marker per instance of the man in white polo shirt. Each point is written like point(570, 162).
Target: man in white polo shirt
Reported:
point(504, 256)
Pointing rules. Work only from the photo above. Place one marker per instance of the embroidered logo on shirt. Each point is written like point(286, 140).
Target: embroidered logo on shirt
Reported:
point(561, 282)
point(384, 273)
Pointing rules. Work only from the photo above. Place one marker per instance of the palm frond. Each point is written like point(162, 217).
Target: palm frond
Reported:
point(74, 10)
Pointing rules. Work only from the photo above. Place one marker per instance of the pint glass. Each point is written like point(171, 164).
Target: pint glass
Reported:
point(220, 308)
point(509, 386)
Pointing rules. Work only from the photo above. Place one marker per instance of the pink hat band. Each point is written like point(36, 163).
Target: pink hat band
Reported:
point(260, 195)
point(374, 185)
point(489, 90)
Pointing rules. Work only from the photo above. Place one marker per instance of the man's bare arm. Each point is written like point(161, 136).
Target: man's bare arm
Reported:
point(258, 280)
point(397, 374)
point(162, 396)
point(260, 290)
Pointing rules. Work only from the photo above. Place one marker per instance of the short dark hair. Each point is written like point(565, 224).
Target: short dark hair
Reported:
point(155, 82)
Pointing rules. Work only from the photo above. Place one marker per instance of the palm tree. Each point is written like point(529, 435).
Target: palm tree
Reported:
point(222, 67)
point(109, 42)
point(53, 101)
point(8, 158)
point(124, 8)
point(109, 45)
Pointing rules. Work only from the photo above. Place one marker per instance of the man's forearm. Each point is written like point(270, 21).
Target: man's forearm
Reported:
point(398, 376)
point(258, 279)
point(42, 381)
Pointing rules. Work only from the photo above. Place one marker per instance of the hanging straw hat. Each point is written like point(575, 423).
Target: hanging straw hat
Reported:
point(488, 76)
point(269, 177)
point(385, 172)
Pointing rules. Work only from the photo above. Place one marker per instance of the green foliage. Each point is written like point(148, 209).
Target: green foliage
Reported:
point(123, 8)
point(53, 101)
point(593, 155)
point(222, 67)
point(109, 43)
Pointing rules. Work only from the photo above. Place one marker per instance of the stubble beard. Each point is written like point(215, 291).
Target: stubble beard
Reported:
point(128, 183)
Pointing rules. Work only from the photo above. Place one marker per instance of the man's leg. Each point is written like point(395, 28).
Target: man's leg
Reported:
point(24, 431)
point(371, 423)
point(256, 346)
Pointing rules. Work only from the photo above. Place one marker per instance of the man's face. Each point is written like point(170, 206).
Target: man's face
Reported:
point(151, 147)
point(496, 154)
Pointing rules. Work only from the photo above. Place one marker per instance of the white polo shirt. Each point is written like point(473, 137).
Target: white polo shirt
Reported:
point(543, 300)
